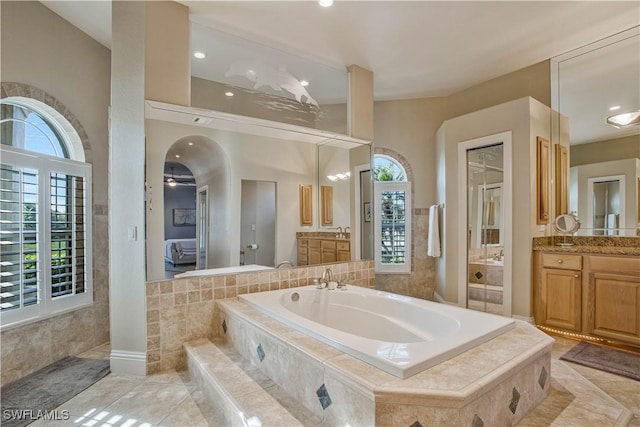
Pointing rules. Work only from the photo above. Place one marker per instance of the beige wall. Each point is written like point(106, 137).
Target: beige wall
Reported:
point(42, 50)
point(168, 53)
point(533, 81)
point(605, 151)
point(526, 119)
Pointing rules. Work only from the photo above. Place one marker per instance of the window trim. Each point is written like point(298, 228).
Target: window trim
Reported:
point(378, 188)
point(48, 307)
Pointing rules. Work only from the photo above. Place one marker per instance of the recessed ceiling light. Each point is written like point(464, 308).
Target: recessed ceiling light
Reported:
point(624, 119)
point(229, 93)
point(190, 143)
point(325, 3)
point(304, 83)
point(199, 55)
point(614, 108)
point(177, 156)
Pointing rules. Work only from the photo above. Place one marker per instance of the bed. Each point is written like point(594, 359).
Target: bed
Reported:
point(180, 251)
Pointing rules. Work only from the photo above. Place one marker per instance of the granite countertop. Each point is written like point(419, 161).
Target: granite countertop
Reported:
point(605, 250)
point(590, 245)
point(323, 236)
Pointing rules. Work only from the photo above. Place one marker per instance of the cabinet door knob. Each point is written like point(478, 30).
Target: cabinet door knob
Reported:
point(576, 275)
point(559, 261)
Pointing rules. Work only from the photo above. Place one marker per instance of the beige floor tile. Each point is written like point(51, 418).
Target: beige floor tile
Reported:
point(101, 394)
point(186, 414)
point(149, 402)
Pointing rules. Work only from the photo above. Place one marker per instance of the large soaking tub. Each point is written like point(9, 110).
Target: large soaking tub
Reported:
point(398, 334)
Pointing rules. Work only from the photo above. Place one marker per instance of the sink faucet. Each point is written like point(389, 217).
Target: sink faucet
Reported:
point(284, 264)
point(347, 229)
point(339, 235)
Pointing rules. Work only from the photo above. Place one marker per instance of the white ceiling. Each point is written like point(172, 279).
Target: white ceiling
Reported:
point(414, 48)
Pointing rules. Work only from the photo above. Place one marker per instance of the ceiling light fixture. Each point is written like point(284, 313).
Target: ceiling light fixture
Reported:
point(614, 108)
point(171, 181)
point(177, 156)
point(624, 119)
point(228, 94)
point(199, 55)
point(190, 143)
point(325, 3)
point(339, 176)
point(304, 83)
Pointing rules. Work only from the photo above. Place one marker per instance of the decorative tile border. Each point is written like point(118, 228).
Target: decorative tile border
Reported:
point(182, 310)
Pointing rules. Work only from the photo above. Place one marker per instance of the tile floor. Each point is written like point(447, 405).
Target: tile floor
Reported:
point(170, 399)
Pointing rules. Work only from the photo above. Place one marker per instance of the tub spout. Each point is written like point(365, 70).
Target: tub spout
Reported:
point(284, 264)
point(327, 276)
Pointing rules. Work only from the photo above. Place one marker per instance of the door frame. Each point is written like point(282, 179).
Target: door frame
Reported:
point(504, 138)
point(203, 189)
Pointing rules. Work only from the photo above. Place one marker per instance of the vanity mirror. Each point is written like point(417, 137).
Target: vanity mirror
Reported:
point(223, 152)
point(590, 85)
point(566, 224)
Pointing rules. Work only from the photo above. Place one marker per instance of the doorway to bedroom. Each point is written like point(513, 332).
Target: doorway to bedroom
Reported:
point(180, 251)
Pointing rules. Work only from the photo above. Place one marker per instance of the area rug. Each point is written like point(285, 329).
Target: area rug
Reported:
point(38, 394)
point(619, 362)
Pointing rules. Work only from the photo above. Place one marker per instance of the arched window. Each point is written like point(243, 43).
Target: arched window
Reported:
point(45, 213)
point(392, 198)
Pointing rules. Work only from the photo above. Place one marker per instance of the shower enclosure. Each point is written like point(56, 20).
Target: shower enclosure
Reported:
point(485, 221)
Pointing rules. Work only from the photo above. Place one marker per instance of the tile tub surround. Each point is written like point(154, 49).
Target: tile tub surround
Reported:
point(495, 383)
point(181, 310)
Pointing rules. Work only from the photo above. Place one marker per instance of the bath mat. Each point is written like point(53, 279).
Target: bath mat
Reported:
point(38, 394)
point(624, 363)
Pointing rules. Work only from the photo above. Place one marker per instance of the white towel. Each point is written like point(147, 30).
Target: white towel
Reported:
point(611, 224)
point(433, 239)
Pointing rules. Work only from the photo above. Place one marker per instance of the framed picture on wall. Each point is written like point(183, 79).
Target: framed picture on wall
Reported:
point(367, 212)
point(182, 217)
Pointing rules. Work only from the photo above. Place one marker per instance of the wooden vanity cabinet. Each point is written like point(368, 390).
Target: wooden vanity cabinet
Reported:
point(560, 292)
point(613, 292)
point(314, 255)
point(313, 251)
point(597, 295)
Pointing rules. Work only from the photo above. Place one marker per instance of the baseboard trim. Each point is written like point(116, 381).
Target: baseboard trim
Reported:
point(128, 362)
point(523, 318)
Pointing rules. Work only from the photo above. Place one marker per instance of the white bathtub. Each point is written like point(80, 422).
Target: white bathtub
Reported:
point(223, 270)
point(398, 334)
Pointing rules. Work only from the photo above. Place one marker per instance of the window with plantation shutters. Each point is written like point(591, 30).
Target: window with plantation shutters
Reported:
point(45, 211)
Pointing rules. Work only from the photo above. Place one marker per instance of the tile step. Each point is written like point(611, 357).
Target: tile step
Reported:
point(244, 396)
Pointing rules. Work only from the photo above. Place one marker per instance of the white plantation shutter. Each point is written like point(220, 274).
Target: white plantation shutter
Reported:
point(45, 257)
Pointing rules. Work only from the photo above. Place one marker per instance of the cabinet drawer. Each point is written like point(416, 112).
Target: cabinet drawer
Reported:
point(562, 261)
point(614, 264)
point(302, 243)
point(343, 246)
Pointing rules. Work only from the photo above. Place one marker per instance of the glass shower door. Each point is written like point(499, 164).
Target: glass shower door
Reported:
point(485, 254)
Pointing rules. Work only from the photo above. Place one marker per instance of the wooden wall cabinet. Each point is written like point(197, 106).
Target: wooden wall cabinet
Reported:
point(326, 201)
point(561, 179)
point(593, 294)
point(306, 204)
point(543, 152)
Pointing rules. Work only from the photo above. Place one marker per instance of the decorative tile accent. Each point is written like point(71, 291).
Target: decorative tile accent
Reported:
point(224, 326)
point(416, 424)
point(515, 398)
point(542, 379)
point(323, 396)
point(478, 275)
point(261, 353)
point(477, 421)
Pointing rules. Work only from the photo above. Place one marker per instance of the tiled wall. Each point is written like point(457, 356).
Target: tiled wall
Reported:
point(182, 310)
point(25, 349)
point(421, 282)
